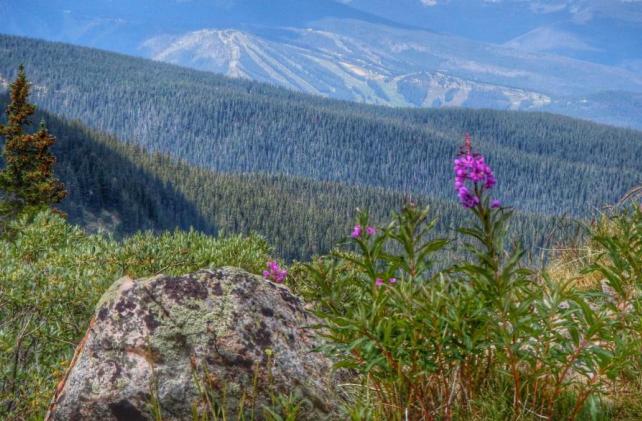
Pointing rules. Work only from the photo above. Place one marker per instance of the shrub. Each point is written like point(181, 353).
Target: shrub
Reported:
point(486, 331)
point(51, 276)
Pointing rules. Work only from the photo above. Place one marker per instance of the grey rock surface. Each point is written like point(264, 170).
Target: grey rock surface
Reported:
point(160, 339)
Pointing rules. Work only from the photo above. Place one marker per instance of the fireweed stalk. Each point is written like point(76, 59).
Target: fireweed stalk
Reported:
point(521, 333)
point(500, 285)
point(473, 180)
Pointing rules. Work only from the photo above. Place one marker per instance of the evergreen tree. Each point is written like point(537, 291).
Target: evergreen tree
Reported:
point(27, 182)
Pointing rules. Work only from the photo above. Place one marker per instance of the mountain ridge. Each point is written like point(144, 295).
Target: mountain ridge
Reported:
point(237, 126)
point(376, 51)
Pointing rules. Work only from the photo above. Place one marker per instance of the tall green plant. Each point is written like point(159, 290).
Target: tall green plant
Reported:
point(434, 344)
point(373, 319)
point(541, 338)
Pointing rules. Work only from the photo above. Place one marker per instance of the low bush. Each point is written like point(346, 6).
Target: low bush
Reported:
point(485, 338)
point(51, 277)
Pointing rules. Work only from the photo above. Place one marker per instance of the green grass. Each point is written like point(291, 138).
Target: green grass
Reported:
point(52, 274)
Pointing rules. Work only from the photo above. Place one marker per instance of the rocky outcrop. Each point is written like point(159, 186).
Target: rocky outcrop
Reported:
point(155, 344)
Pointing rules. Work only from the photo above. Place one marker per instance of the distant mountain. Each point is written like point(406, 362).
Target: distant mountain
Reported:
point(547, 164)
point(378, 64)
point(506, 54)
point(601, 31)
point(377, 70)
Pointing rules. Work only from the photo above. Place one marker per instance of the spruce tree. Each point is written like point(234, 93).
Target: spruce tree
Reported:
point(27, 181)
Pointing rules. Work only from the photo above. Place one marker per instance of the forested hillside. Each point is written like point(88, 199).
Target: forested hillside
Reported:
point(548, 164)
point(123, 189)
point(107, 189)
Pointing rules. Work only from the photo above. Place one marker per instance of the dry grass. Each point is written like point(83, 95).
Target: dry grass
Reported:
point(569, 260)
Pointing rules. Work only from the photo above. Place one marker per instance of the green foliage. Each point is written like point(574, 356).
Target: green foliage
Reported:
point(485, 338)
point(51, 277)
point(27, 182)
point(375, 314)
point(619, 261)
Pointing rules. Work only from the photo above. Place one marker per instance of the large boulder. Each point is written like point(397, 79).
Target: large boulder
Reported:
point(154, 345)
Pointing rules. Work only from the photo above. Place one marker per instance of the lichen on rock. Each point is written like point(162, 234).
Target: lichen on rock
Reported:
point(161, 338)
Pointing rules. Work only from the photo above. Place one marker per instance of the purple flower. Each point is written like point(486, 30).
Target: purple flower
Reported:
point(371, 231)
point(495, 204)
point(472, 167)
point(378, 282)
point(467, 199)
point(490, 181)
point(356, 231)
point(392, 280)
point(274, 272)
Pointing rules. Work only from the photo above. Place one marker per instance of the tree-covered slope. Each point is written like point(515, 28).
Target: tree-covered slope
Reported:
point(546, 163)
point(122, 188)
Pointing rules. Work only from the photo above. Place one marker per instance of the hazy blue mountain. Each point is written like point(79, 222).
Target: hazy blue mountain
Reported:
point(566, 56)
point(122, 25)
point(601, 31)
point(375, 63)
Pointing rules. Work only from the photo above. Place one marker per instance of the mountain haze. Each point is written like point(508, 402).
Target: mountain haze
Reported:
point(579, 58)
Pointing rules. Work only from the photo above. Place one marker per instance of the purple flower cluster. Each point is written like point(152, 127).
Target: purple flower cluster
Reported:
point(380, 282)
point(472, 167)
point(358, 230)
point(274, 272)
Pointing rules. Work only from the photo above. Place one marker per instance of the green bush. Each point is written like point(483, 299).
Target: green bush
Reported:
point(479, 338)
point(484, 336)
point(51, 276)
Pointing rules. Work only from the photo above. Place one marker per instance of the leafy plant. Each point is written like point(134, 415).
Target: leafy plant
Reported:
point(434, 344)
